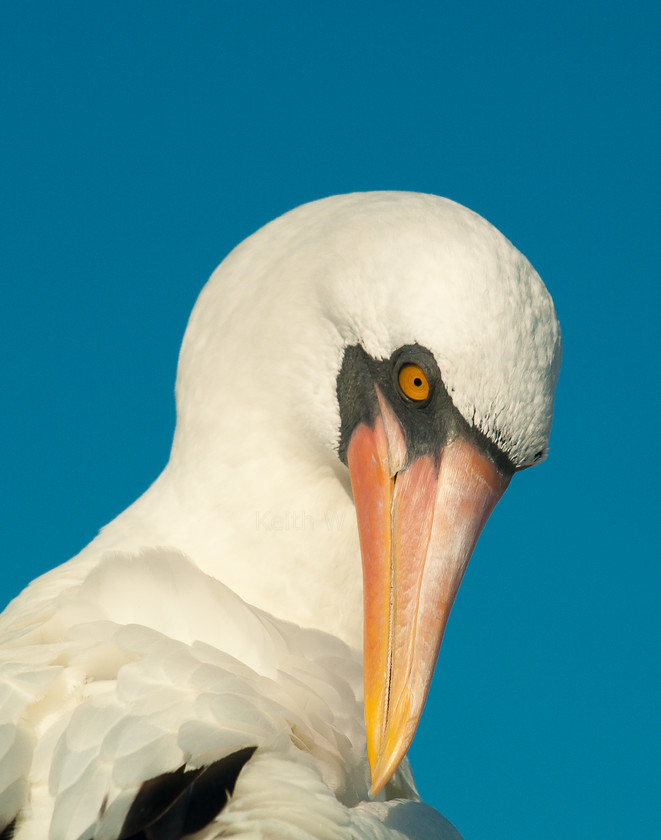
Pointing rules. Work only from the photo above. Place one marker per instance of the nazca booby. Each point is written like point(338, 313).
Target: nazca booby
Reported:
point(388, 350)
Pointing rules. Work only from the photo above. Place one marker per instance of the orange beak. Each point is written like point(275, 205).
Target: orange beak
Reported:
point(418, 524)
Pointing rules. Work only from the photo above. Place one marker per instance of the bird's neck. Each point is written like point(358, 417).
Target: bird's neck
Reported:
point(279, 533)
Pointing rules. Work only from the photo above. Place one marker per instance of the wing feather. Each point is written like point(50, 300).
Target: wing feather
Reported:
point(116, 693)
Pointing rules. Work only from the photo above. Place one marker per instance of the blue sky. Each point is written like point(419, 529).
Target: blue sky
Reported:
point(140, 142)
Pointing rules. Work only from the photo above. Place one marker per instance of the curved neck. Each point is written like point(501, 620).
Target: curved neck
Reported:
point(295, 523)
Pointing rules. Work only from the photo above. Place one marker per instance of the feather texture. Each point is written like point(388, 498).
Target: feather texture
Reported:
point(111, 703)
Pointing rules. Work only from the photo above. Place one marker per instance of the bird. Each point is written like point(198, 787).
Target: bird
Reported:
point(246, 650)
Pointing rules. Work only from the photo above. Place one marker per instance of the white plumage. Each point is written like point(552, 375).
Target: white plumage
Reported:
point(150, 664)
point(223, 610)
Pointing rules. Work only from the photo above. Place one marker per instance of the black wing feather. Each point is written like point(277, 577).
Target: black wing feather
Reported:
point(176, 804)
point(8, 831)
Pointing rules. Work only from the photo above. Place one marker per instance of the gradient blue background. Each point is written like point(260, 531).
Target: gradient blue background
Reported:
point(141, 141)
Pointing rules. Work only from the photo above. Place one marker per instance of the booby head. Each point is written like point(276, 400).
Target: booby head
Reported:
point(390, 346)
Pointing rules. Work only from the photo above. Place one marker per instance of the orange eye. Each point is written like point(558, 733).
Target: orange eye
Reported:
point(413, 382)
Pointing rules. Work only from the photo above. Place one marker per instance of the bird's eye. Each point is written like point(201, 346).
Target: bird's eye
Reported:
point(413, 382)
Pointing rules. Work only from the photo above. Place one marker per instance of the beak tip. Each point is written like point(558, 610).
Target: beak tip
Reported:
point(388, 759)
point(382, 772)
point(378, 782)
